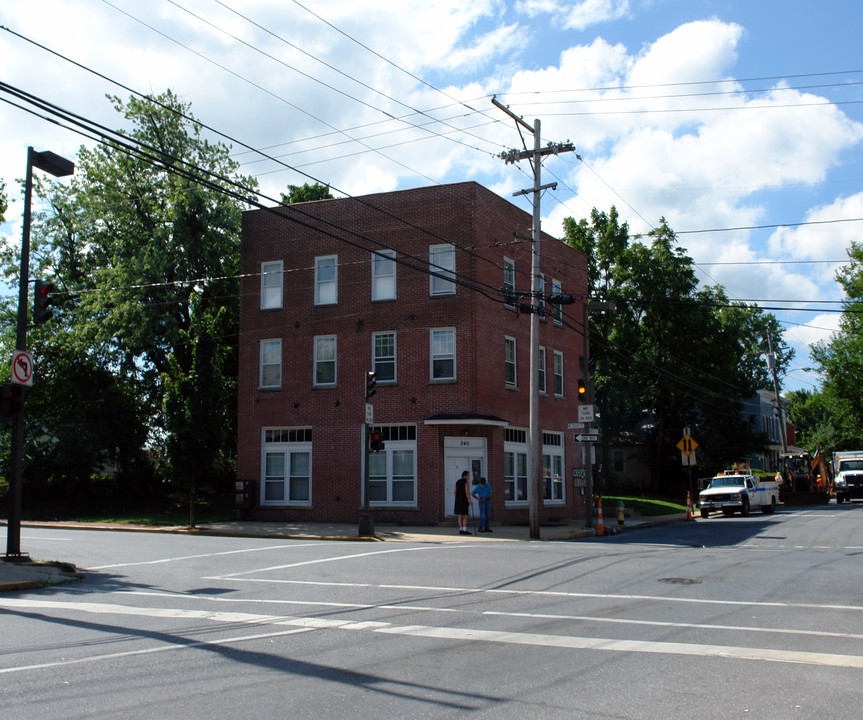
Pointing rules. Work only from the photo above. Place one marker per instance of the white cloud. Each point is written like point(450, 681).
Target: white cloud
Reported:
point(576, 15)
point(827, 241)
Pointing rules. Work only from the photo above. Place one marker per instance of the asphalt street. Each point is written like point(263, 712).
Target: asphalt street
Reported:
point(756, 617)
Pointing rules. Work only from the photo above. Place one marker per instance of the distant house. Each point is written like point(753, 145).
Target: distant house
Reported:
point(764, 414)
point(424, 288)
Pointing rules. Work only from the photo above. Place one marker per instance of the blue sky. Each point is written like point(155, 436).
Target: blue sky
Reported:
point(714, 114)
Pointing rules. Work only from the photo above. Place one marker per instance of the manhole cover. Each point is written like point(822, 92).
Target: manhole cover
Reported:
point(679, 581)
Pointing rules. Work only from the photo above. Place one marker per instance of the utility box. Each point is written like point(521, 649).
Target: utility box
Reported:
point(244, 494)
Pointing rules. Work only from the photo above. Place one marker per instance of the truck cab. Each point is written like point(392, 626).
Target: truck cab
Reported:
point(848, 480)
point(738, 492)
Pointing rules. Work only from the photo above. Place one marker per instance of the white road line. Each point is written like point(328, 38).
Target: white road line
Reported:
point(147, 651)
point(543, 593)
point(180, 558)
point(448, 633)
point(688, 626)
point(337, 558)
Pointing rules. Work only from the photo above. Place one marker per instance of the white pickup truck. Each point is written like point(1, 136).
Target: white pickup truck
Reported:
point(731, 492)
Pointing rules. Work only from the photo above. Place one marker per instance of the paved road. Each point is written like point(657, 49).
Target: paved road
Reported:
point(755, 617)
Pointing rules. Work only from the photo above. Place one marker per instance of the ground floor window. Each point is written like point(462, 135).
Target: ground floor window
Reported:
point(515, 465)
point(393, 471)
point(286, 466)
point(552, 467)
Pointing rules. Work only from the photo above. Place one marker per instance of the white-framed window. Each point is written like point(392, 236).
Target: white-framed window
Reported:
point(272, 279)
point(509, 298)
point(286, 466)
point(393, 471)
point(326, 280)
point(515, 466)
point(542, 387)
point(556, 309)
point(442, 264)
point(325, 360)
point(552, 467)
point(271, 364)
point(384, 275)
point(442, 355)
point(384, 356)
point(558, 373)
point(510, 371)
point(541, 299)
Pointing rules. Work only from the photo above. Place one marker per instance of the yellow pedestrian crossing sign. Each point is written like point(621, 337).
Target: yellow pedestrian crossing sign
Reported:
point(687, 445)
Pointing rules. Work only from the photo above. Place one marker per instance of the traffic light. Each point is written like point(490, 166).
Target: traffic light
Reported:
point(370, 384)
point(582, 388)
point(11, 400)
point(42, 303)
point(376, 442)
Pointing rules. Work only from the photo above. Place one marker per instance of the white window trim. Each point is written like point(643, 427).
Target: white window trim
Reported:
point(391, 255)
point(265, 274)
point(509, 288)
point(261, 364)
point(519, 449)
point(395, 356)
point(319, 282)
point(287, 448)
point(335, 362)
point(543, 375)
point(556, 309)
point(445, 287)
point(556, 451)
point(432, 356)
point(507, 342)
point(562, 393)
point(390, 447)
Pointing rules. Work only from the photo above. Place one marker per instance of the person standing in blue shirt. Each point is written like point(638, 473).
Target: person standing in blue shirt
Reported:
point(482, 492)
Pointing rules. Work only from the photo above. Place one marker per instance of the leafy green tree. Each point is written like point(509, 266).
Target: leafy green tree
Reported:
point(671, 354)
point(305, 193)
point(841, 358)
point(132, 238)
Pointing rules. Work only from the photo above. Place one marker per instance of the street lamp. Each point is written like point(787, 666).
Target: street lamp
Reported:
point(58, 167)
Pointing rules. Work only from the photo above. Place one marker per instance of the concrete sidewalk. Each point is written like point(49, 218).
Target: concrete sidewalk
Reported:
point(35, 574)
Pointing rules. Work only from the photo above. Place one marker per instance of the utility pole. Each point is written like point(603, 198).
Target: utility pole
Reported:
point(535, 489)
point(771, 364)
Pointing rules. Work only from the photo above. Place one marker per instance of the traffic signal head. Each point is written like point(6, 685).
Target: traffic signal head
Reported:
point(376, 442)
point(582, 388)
point(42, 303)
point(370, 384)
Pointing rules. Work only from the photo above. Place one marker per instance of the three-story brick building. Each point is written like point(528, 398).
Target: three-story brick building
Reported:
point(423, 287)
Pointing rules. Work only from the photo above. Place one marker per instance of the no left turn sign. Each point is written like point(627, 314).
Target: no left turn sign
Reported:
point(22, 368)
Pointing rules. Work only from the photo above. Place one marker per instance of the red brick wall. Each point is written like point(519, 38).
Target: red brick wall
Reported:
point(482, 226)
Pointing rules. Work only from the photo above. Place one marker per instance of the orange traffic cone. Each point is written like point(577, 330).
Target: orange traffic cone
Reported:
point(600, 528)
point(688, 506)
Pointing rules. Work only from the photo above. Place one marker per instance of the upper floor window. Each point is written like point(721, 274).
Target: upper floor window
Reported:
point(510, 376)
point(540, 301)
point(442, 266)
point(509, 282)
point(384, 275)
point(384, 356)
point(542, 369)
point(271, 285)
point(558, 373)
point(443, 354)
point(271, 364)
point(326, 280)
point(556, 309)
point(325, 360)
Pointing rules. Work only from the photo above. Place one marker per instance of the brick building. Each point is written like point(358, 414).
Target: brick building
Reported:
point(335, 288)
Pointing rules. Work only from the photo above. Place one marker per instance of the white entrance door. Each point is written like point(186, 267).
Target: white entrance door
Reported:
point(455, 466)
